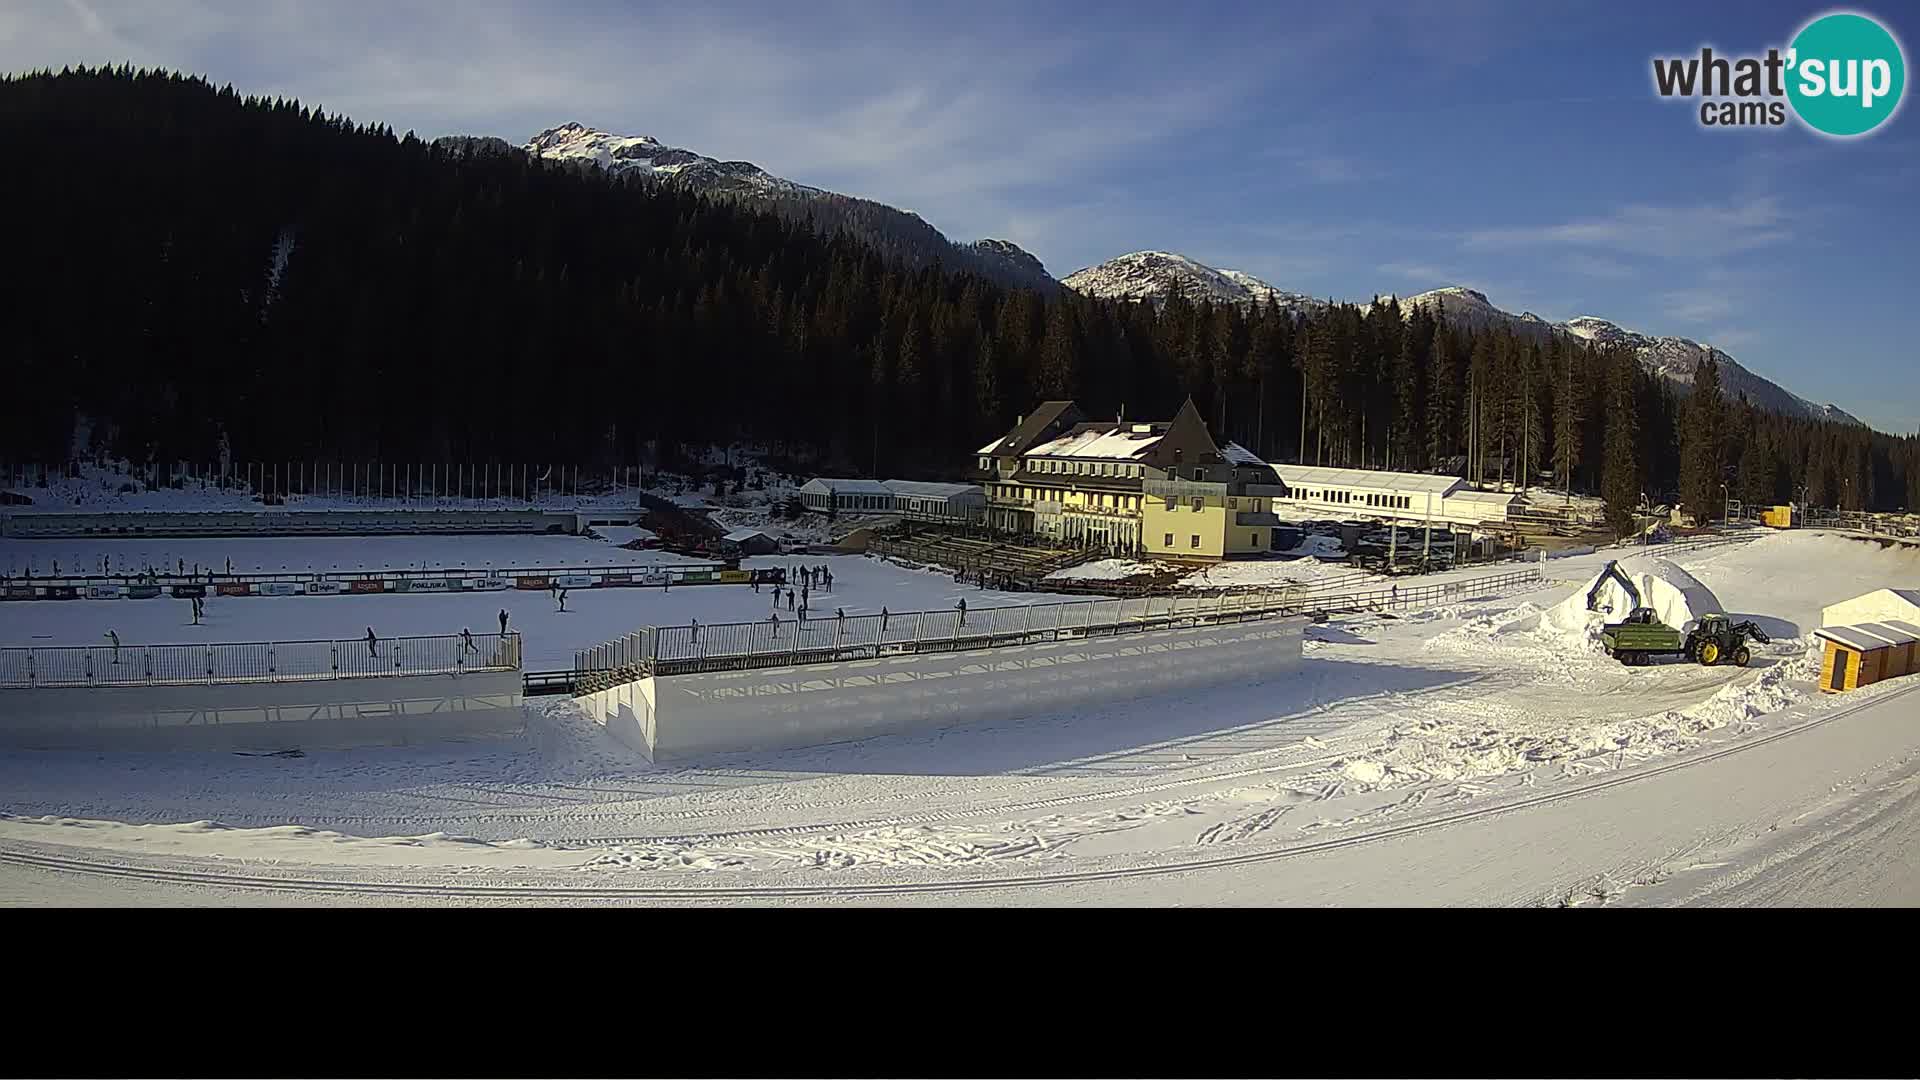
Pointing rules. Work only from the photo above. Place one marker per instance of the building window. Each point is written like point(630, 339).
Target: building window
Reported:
point(1168, 542)
point(1172, 504)
point(1198, 502)
point(1194, 541)
point(1199, 474)
point(1233, 504)
point(1178, 455)
point(1256, 539)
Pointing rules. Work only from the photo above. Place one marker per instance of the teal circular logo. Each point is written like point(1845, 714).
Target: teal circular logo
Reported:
point(1846, 74)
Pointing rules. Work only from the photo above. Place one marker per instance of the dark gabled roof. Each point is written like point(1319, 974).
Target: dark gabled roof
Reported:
point(1042, 423)
point(1186, 433)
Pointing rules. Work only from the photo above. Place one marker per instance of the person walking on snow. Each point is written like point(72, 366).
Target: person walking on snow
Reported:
point(883, 619)
point(466, 641)
point(371, 642)
point(773, 621)
point(694, 625)
point(563, 599)
point(114, 636)
point(963, 611)
point(789, 601)
point(229, 564)
point(503, 622)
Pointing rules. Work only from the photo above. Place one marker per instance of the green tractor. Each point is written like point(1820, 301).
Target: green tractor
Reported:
point(1716, 640)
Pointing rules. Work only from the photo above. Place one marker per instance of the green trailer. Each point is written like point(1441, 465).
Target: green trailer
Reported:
point(1641, 636)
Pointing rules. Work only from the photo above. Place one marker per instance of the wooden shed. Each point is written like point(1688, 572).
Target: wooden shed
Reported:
point(1864, 654)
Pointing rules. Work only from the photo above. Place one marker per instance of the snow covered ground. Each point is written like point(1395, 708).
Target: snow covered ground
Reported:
point(1201, 798)
point(325, 554)
point(860, 585)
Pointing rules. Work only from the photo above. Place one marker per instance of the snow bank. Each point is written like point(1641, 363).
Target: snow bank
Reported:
point(1677, 597)
point(1105, 570)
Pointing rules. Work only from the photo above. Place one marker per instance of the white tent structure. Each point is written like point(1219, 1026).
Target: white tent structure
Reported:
point(929, 499)
point(824, 494)
point(1879, 605)
point(1409, 498)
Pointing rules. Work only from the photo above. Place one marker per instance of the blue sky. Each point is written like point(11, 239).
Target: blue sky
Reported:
point(1336, 149)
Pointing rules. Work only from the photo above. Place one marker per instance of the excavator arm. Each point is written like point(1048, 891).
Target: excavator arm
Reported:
point(1612, 571)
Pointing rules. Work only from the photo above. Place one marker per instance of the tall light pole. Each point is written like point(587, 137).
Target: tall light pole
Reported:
point(1726, 504)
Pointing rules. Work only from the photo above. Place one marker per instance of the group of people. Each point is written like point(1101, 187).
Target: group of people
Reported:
point(146, 574)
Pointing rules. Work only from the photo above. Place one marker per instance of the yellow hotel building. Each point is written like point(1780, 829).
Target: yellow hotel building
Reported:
point(1163, 489)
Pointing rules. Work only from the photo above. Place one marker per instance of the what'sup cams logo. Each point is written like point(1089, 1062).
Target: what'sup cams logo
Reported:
point(1843, 75)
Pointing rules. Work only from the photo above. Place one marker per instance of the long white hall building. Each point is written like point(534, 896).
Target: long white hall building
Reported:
point(1315, 491)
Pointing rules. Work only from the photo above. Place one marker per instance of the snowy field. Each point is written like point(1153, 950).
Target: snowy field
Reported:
point(551, 637)
point(1395, 721)
point(325, 554)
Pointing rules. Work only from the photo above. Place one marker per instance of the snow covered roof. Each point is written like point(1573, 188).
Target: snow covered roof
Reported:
point(846, 487)
point(1487, 498)
point(928, 489)
point(1239, 455)
point(1867, 637)
point(1119, 442)
point(1316, 475)
point(741, 535)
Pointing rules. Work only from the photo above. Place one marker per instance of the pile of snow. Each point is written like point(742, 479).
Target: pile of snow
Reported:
point(1320, 547)
point(1105, 570)
point(1677, 597)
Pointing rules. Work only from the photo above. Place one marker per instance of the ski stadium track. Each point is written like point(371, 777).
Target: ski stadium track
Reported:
point(537, 892)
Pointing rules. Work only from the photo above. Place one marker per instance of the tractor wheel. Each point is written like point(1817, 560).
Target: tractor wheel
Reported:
point(1709, 653)
point(1741, 656)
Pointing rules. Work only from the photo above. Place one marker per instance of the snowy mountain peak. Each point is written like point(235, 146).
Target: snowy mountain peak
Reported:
point(1152, 276)
point(1012, 256)
point(648, 156)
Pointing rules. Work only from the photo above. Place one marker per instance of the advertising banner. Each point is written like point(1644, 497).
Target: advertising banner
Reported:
point(573, 581)
point(325, 588)
point(59, 592)
point(188, 591)
point(651, 577)
point(20, 592)
point(530, 583)
point(695, 577)
point(487, 584)
point(103, 592)
point(366, 586)
point(277, 588)
point(232, 588)
point(735, 577)
point(142, 592)
point(616, 579)
point(421, 585)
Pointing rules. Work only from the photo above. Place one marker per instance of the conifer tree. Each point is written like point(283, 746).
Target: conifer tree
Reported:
point(1620, 471)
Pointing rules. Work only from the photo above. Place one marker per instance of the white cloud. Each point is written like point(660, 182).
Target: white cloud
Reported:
point(1700, 231)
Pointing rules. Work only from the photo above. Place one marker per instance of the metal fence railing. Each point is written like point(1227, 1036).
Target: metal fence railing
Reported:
point(255, 661)
point(777, 642)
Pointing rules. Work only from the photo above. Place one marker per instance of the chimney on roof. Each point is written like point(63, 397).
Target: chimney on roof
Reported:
point(1021, 419)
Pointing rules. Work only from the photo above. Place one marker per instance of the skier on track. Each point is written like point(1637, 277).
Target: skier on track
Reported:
point(466, 641)
point(371, 642)
point(789, 601)
point(562, 597)
point(503, 622)
point(694, 625)
point(114, 636)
